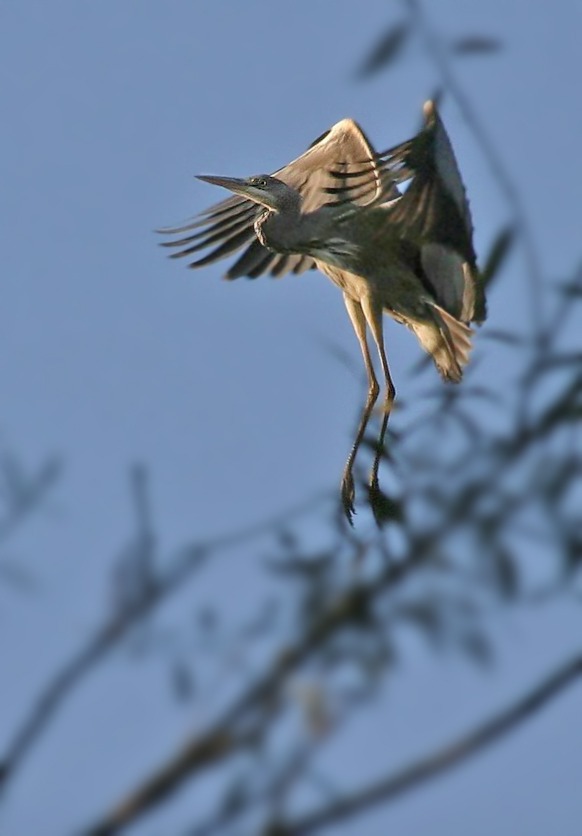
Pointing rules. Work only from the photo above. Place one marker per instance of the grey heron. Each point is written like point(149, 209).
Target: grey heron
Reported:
point(338, 208)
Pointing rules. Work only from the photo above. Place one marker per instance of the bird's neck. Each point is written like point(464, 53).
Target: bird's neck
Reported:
point(281, 232)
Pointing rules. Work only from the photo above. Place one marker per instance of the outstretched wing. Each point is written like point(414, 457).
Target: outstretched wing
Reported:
point(229, 225)
point(434, 212)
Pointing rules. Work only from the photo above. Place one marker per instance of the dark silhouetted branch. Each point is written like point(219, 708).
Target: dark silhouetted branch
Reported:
point(439, 762)
point(252, 709)
point(109, 636)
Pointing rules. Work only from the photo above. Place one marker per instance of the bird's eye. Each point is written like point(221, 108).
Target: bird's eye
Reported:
point(261, 182)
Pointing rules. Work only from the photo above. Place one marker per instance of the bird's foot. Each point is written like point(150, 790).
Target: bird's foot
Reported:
point(348, 495)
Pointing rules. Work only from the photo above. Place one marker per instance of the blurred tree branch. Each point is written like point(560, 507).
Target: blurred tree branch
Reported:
point(430, 767)
point(356, 608)
point(214, 746)
point(127, 615)
point(21, 495)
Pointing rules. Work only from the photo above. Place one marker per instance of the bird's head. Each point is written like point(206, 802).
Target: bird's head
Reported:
point(264, 189)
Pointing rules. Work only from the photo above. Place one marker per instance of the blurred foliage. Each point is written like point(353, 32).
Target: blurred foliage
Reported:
point(22, 494)
point(482, 510)
point(388, 48)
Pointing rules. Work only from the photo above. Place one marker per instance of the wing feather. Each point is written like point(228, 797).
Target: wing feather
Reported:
point(226, 248)
point(344, 149)
point(434, 212)
point(248, 261)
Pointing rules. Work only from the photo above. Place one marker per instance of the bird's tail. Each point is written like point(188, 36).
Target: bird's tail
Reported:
point(447, 339)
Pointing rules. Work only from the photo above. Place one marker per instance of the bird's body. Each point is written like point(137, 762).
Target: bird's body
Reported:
point(338, 208)
point(378, 263)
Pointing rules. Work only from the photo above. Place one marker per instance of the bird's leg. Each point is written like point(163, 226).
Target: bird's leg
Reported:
point(359, 322)
point(373, 313)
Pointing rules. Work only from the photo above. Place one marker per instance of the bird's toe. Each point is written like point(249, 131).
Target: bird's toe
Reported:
point(348, 494)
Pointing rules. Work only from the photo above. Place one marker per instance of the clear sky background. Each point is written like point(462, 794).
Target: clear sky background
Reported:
point(111, 354)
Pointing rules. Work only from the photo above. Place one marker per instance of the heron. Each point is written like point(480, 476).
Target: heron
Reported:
point(341, 208)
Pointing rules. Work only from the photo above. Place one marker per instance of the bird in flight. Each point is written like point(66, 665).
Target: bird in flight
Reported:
point(340, 208)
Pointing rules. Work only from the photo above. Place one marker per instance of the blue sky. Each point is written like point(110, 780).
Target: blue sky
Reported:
point(229, 392)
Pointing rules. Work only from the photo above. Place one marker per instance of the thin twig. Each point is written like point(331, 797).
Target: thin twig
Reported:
point(26, 495)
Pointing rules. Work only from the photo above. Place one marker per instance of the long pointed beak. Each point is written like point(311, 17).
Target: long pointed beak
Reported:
point(234, 184)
